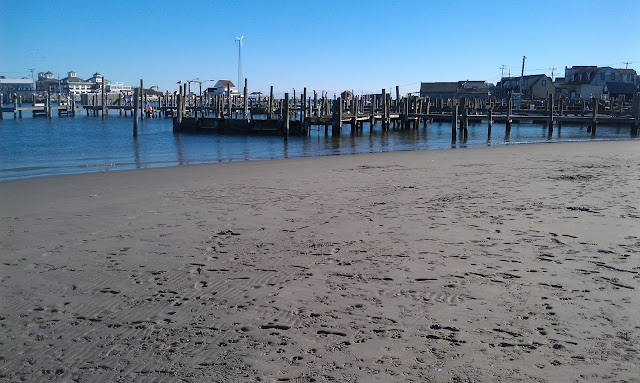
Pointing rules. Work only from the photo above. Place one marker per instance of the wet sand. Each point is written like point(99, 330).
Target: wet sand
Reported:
point(493, 264)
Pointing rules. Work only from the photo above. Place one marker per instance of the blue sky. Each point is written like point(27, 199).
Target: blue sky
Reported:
point(324, 45)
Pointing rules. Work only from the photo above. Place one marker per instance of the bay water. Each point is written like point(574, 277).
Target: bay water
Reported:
point(36, 147)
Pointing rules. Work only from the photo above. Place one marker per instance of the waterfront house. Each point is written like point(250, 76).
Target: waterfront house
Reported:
point(97, 79)
point(74, 85)
point(473, 89)
point(624, 90)
point(47, 82)
point(591, 81)
point(220, 87)
point(19, 86)
point(445, 90)
point(119, 87)
point(536, 86)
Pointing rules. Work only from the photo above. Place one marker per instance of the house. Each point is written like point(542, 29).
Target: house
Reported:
point(346, 95)
point(624, 90)
point(19, 86)
point(74, 85)
point(445, 90)
point(221, 87)
point(97, 79)
point(119, 87)
point(535, 86)
point(590, 81)
point(451, 90)
point(47, 83)
point(473, 89)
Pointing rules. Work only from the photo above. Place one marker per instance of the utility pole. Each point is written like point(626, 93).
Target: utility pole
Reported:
point(552, 69)
point(625, 63)
point(502, 68)
point(31, 70)
point(522, 74)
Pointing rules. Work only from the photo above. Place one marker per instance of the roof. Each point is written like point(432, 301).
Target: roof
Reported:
point(15, 81)
point(439, 87)
point(73, 79)
point(627, 71)
point(621, 87)
point(225, 83)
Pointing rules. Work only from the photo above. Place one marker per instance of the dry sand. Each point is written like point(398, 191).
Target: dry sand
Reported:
point(498, 264)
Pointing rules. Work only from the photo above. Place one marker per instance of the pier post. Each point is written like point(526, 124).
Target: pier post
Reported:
point(490, 122)
point(20, 105)
point(509, 111)
point(594, 117)
point(103, 102)
point(15, 106)
point(384, 104)
point(636, 114)
point(454, 120)
point(135, 111)
point(304, 104)
point(285, 116)
point(465, 116)
point(141, 96)
point(1, 106)
point(229, 106)
point(316, 111)
point(560, 112)
point(270, 108)
point(48, 106)
point(246, 101)
point(336, 117)
point(550, 111)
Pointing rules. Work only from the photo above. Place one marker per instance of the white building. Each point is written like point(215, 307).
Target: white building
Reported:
point(119, 87)
point(74, 85)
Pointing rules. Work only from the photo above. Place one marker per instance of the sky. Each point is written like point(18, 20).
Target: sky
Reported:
point(325, 45)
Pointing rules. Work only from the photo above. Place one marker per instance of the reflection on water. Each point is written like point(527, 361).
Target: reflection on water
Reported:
point(39, 147)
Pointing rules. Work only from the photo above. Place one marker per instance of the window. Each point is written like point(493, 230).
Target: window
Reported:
point(544, 82)
point(601, 76)
point(613, 76)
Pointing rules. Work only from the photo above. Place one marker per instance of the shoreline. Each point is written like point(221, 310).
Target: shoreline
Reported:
point(128, 167)
point(488, 264)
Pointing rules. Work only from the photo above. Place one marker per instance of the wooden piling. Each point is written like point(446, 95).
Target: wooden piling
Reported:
point(490, 122)
point(141, 95)
point(285, 116)
point(304, 104)
point(550, 112)
point(48, 107)
point(336, 117)
point(103, 99)
point(594, 117)
point(384, 104)
point(246, 101)
point(509, 112)
point(454, 120)
point(636, 114)
point(2, 105)
point(135, 112)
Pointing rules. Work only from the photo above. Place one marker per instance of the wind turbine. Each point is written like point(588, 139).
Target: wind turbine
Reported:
point(239, 40)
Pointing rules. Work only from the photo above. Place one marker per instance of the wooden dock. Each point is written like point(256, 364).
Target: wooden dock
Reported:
point(297, 115)
point(225, 113)
point(64, 107)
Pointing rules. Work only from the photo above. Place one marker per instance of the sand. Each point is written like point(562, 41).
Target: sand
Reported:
point(498, 264)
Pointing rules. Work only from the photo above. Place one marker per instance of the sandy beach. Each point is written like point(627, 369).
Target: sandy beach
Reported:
point(516, 263)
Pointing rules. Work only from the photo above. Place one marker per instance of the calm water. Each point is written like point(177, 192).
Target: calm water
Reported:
point(35, 147)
